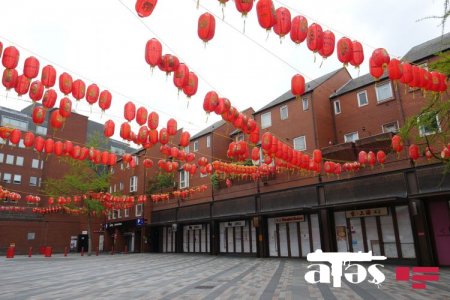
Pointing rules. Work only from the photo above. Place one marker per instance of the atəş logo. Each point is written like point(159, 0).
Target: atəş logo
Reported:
point(356, 273)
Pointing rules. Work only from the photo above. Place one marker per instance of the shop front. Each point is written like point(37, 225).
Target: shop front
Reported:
point(238, 237)
point(196, 238)
point(169, 238)
point(439, 214)
point(294, 235)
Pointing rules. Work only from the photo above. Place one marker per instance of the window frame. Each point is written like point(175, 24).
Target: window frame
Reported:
point(10, 177)
point(208, 141)
point(305, 100)
point(30, 183)
point(269, 114)
point(133, 184)
point(389, 123)
point(195, 146)
point(7, 157)
point(422, 132)
point(381, 84)
point(184, 183)
point(334, 106)
point(2, 157)
point(126, 212)
point(141, 210)
point(32, 163)
point(304, 142)
point(345, 137)
point(22, 161)
point(281, 112)
point(40, 130)
point(359, 99)
point(19, 181)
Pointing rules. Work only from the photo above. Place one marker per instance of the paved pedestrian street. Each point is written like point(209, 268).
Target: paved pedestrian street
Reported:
point(181, 276)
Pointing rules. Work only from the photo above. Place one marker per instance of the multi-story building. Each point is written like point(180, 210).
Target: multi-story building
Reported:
point(23, 170)
point(399, 210)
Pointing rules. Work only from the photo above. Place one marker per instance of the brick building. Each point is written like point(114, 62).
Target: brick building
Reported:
point(23, 170)
point(399, 210)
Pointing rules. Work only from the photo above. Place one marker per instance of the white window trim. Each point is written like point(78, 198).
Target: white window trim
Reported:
point(208, 141)
point(119, 214)
point(281, 112)
point(293, 142)
point(195, 146)
point(359, 99)
point(32, 163)
point(185, 183)
point(10, 177)
point(126, 212)
point(421, 129)
point(345, 136)
point(305, 100)
point(269, 123)
point(382, 126)
point(33, 184)
point(133, 184)
point(14, 179)
point(17, 161)
point(376, 91)
point(334, 107)
point(9, 156)
point(139, 214)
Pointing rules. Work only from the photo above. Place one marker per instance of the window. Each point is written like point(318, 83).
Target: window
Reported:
point(41, 130)
point(284, 112)
point(19, 161)
point(208, 141)
point(21, 144)
point(240, 137)
point(7, 121)
point(121, 166)
point(121, 186)
point(110, 189)
point(430, 124)
point(136, 158)
point(10, 159)
point(390, 127)
point(138, 210)
point(305, 103)
point(1, 157)
point(7, 178)
point(114, 214)
point(17, 179)
point(351, 137)
point(337, 107)
point(35, 163)
point(133, 184)
point(119, 214)
point(184, 179)
point(33, 181)
point(266, 120)
point(300, 143)
point(109, 215)
point(362, 98)
point(42, 164)
point(186, 149)
point(2, 141)
point(115, 188)
point(126, 212)
point(195, 146)
point(384, 91)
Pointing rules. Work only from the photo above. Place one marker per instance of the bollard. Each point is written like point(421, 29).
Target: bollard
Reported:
point(65, 251)
point(30, 251)
point(82, 251)
point(112, 250)
point(96, 252)
point(48, 251)
point(126, 250)
point(10, 252)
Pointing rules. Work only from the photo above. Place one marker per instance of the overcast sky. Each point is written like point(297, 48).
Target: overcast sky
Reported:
point(101, 41)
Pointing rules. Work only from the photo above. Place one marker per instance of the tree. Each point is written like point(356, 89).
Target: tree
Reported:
point(160, 182)
point(82, 178)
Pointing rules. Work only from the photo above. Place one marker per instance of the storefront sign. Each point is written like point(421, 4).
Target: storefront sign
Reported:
point(110, 225)
point(290, 219)
point(194, 227)
point(369, 212)
point(139, 221)
point(235, 224)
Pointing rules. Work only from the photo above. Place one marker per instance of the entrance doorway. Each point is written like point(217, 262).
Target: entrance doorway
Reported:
point(440, 212)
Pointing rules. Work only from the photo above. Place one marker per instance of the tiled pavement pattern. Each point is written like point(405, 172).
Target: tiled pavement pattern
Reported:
point(181, 276)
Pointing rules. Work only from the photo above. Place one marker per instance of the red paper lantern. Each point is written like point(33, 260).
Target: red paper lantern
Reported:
point(397, 143)
point(407, 75)
point(58, 148)
point(297, 85)
point(92, 93)
point(328, 44)
point(375, 70)
point(65, 83)
point(191, 88)
point(395, 69)
point(56, 120)
point(142, 135)
point(31, 67)
point(267, 17)
point(210, 102)
point(317, 156)
point(413, 152)
point(371, 158)
point(314, 39)
point(22, 85)
point(153, 136)
point(38, 115)
point(144, 8)
point(254, 136)
point(125, 131)
point(345, 50)
point(223, 106)
point(255, 154)
point(36, 91)
point(65, 107)
point(243, 6)
point(153, 120)
point(381, 157)
point(10, 58)
point(129, 111)
point(358, 54)
point(48, 76)
point(9, 78)
point(109, 128)
point(148, 163)
point(380, 57)
point(181, 76)
point(78, 89)
point(163, 136)
point(185, 139)
point(49, 146)
point(172, 127)
point(68, 147)
point(76, 153)
point(169, 63)
point(299, 29)
point(153, 52)
point(105, 158)
point(15, 135)
point(206, 27)
point(49, 99)
point(28, 139)
point(141, 115)
point(39, 143)
point(283, 22)
point(266, 141)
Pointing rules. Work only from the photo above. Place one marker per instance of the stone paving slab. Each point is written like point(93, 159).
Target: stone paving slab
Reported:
point(187, 276)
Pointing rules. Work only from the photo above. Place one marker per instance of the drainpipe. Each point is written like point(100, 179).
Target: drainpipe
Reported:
point(316, 139)
point(402, 112)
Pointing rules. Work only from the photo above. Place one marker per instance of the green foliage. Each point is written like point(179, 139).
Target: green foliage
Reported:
point(215, 181)
point(160, 182)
